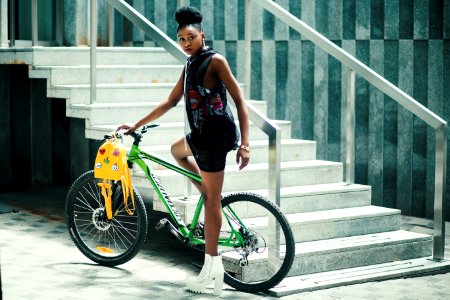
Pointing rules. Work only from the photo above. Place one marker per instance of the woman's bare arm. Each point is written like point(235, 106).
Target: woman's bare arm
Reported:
point(222, 69)
point(161, 108)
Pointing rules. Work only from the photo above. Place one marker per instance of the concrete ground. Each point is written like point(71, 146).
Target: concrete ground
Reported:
point(39, 261)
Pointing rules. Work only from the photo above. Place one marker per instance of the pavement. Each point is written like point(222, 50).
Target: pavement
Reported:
point(38, 260)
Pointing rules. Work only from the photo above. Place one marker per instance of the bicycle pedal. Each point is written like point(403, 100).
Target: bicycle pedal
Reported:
point(161, 224)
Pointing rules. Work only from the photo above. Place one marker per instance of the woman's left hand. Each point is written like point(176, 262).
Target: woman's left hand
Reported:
point(242, 158)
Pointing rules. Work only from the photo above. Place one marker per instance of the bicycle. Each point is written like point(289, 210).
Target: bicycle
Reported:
point(256, 241)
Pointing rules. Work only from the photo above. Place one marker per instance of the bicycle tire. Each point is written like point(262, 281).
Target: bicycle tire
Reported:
point(256, 276)
point(106, 243)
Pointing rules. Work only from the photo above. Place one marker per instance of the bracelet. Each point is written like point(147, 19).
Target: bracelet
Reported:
point(246, 148)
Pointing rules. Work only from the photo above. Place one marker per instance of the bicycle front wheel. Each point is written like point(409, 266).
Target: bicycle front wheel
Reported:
point(107, 242)
point(264, 247)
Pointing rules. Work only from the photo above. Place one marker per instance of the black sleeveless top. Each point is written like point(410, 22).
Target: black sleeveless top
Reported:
point(210, 118)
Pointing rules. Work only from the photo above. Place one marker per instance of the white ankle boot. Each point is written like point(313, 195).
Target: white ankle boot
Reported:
point(212, 270)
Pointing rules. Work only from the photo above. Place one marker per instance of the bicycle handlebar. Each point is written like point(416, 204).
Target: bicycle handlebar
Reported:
point(136, 135)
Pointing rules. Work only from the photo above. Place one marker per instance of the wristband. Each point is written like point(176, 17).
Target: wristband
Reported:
point(246, 148)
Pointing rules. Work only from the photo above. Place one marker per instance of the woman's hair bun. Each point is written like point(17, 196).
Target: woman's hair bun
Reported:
point(188, 15)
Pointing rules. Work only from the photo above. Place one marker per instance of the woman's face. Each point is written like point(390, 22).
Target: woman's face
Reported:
point(191, 40)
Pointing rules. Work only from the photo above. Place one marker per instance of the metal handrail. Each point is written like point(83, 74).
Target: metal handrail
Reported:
point(262, 122)
point(395, 93)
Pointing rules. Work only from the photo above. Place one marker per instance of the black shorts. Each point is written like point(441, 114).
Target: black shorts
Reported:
point(207, 160)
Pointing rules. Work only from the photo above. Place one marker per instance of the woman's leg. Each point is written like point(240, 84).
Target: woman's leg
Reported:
point(212, 183)
point(183, 155)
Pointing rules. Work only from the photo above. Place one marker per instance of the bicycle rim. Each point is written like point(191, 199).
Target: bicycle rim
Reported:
point(106, 242)
point(259, 263)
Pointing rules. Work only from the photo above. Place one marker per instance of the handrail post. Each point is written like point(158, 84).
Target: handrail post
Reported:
point(12, 23)
point(93, 52)
point(274, 183)
point(248, 48)
point(440, 193)
point(274, 166)
point(350, 129)
point(34, 23)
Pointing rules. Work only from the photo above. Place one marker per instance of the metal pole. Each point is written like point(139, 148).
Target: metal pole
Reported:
point(274, 183)
point(350, 132)
point(34, 23)
point(440, 193)
point(93, 52)
point(181, 3)
point(248, 48)
point(110, 24)
point(12, 23)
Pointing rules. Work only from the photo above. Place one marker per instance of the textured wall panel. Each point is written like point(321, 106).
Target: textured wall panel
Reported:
point(375, 170)
point(391, 16)
point(391, 71)
point(405, 129)
point(321, 109)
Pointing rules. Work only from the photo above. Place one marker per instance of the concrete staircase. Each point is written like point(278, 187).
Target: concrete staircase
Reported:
point(335, 225)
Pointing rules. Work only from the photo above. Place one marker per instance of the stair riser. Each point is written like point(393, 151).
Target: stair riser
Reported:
point(319, 202)
point(168, 135)
point(241, 181)
point(119, 115)
point(113, 94)
point(78, 56)
point(329, 229)
point(163, 74)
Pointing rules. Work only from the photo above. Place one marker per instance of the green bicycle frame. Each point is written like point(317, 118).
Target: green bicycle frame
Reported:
point(137, 156)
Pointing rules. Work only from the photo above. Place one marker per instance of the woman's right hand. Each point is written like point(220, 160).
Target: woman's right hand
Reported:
point(128, 127)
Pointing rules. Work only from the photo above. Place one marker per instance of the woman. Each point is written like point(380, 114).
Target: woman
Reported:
point(204, 82)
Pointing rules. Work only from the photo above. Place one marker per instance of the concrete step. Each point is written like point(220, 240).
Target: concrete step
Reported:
point(75, 56)
point(254, 176)
point(63, 75)
point(291, 149)
point(112, 93)
point(167, 133)
point(299, 199)
point(343, 253)
point(318, 197)
point(124, 112)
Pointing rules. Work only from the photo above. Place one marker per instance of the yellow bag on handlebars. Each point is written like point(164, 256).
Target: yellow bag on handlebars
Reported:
point(111, 164)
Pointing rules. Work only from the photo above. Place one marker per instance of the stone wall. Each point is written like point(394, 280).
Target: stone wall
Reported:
point(40, 146)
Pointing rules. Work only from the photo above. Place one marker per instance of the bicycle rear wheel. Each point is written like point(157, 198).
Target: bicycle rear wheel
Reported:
point(259, 263)
point(109, 243)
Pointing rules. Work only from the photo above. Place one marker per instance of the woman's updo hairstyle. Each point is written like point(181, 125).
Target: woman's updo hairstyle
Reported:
point(188, 15)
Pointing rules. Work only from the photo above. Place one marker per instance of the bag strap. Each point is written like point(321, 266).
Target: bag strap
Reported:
point(127, 190)
point(107, 193)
